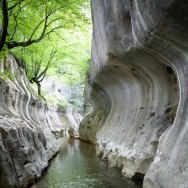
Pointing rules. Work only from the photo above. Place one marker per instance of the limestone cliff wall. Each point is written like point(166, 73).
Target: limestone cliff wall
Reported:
point(70, 100)
point(26, 126)
point(138, 88)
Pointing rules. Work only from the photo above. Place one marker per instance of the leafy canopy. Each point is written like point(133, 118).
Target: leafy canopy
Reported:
point(31, 19)
point(38, 29)
point(52, 38)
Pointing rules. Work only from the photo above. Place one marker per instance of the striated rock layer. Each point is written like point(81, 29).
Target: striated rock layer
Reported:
point(26, 126)
point(138, 89)
point(69, 99)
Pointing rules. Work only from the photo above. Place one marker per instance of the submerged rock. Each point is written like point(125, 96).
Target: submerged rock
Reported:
point(138, 88)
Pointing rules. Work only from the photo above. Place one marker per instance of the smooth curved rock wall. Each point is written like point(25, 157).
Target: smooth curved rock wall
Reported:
point(138, 88)
point(26, 126)
point(72, 98)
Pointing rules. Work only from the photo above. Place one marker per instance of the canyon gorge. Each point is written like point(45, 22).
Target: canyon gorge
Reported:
point(137, 86)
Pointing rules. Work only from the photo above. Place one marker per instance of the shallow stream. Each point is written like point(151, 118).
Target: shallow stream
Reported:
point(76, 166)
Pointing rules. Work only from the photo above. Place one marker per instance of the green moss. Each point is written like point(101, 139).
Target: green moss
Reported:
point(4, 53)
point(7, 74)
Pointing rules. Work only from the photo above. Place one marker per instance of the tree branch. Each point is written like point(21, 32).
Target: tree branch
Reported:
point(42, 77)
point(34, 31)
point(16, 21)
point(18, 3)
point(44, 71)
point(14, 44)
point(45, 19)
point(44, 33)
point(60, 36)
point(52, 30)
point(53, 21)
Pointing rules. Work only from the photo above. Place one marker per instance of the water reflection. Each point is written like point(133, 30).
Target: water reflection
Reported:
point(76, 166)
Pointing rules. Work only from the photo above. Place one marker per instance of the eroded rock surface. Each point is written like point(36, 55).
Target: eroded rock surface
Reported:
point(138, 88)
point(26, 125)
point(70, 101)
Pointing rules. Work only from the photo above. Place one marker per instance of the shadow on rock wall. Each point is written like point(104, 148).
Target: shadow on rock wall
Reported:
point(138, 89)
point(26, 126)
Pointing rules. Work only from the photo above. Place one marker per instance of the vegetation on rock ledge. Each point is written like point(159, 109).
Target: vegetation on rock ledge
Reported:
point(49, 37)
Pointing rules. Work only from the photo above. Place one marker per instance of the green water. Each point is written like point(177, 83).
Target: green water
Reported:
point(76, 166)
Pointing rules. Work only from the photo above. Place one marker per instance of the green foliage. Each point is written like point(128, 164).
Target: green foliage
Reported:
point(63, 104)
point(74, 55)
point(3, 53)
point(26, 17)
point(71, 41)
point(62, 26)
point(7, 74)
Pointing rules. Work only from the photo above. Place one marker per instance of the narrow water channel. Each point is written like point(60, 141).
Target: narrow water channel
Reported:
point(76, 166)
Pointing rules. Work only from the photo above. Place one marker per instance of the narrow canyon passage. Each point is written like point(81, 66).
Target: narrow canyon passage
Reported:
point(111, 111)
point(77, 166)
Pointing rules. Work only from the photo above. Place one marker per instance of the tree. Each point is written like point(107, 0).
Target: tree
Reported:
point(36, 28)
point(46, 16)
point(36, 71)
point(4, 27)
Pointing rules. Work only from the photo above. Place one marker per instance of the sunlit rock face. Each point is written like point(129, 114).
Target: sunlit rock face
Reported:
point(70, 101)
point(26, 125)
point(138, 89)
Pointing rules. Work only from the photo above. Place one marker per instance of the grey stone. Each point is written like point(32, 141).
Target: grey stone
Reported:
point(138, 88)
point(26, 125)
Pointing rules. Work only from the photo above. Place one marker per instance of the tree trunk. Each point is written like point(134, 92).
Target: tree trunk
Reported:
point(5, 24)
point(39, 87)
